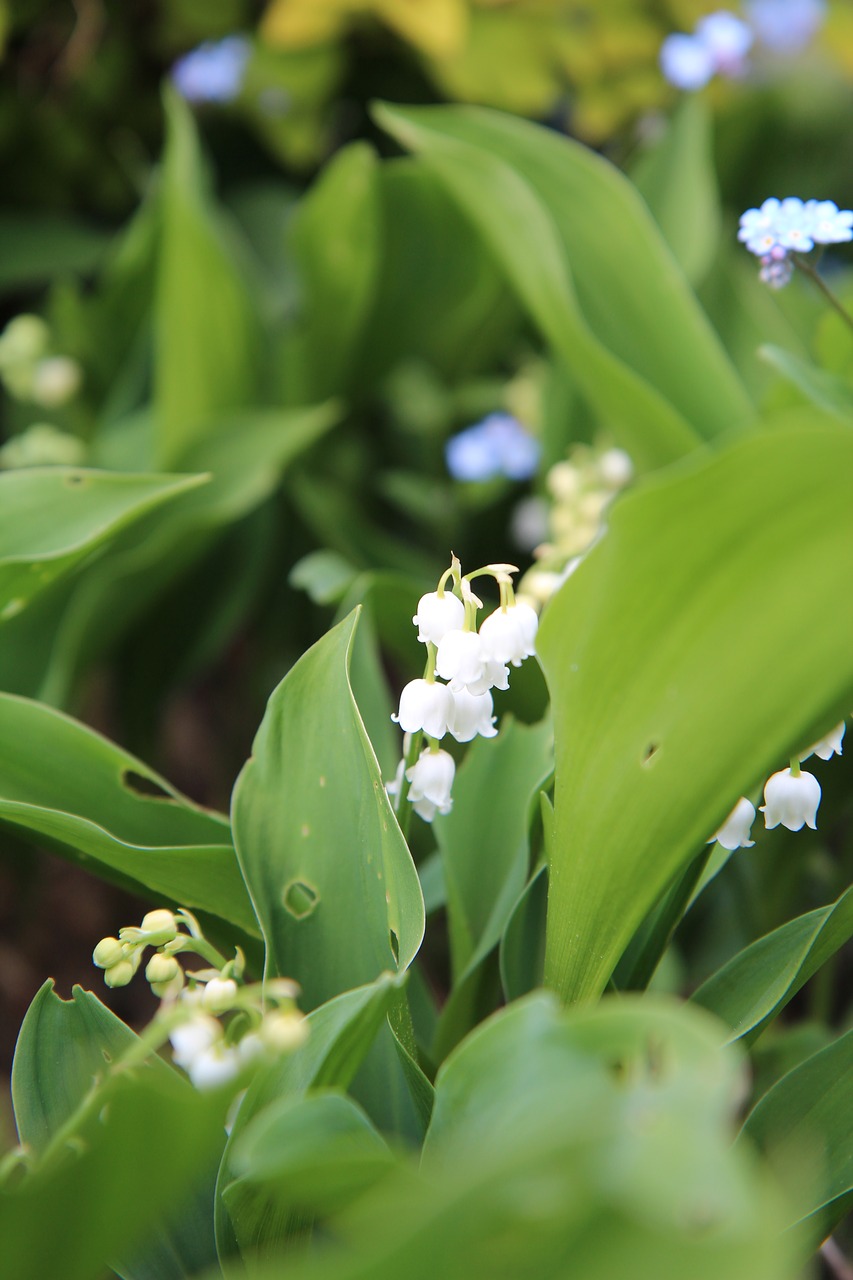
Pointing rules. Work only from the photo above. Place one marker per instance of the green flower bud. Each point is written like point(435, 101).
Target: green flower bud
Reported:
point(107, 953)
point(119, 975)
point(162, 968)
point(284, 1031)
point(161, 924)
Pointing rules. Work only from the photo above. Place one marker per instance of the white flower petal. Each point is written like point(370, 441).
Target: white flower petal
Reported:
point(791, 800)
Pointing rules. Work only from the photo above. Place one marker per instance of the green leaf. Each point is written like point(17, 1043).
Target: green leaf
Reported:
point(483, 840)
point(205, 328)
point(326, 865)
point(61, 1082)
point(657, 653)
point(676, 178)
point(522, 954)
point(38, 247)
point(335, 242)
point(341, 1034)
point(806, 1121)
point(582, 252)
point(64, 785)
point(52, 518)
point(751, 989)
point(825, 390)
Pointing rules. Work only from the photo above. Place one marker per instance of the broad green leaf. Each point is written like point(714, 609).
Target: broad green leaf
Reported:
point(335, 237)
point(806, 1120)
point(325, 863)
point(676, 179)
point(587, 261)
point(522, 954)
point(825, 390)
point(63, 785)
point(206, 336)
point(341, 1034)
point(38, 247)
point(700, 643)
point(245, 456)
point(756, 984)
point(63, 1058)
point(585, 1143)
point(483, 840)
point(52, 518)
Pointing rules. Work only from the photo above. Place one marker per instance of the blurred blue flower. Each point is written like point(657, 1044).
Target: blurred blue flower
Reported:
point(497, 446)
point(785, 25)
point(214, 71)
point(718, 46)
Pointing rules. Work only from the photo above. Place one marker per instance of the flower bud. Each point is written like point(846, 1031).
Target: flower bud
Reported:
point(161, 925)
point(284, 1031)
point(120, 974)
point(430, 779)
point(107, 953)
point(219, 994)
point(162, 968)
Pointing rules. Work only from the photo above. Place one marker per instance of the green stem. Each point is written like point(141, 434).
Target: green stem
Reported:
point(402, 809)
point(808, 270)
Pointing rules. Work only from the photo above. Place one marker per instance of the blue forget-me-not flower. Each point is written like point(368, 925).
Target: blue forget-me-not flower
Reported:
point(214, 71)
point(781, 227)
point(497, 446)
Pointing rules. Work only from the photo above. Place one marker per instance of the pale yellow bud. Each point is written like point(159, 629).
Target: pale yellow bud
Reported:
point(162, 968)
point(284, 1031)
point(119, 975)
point(107, 953)
point(219, 995)
point(160, 923)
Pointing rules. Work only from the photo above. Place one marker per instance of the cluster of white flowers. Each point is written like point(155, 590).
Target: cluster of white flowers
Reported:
point(782, 227)
point(558, 531)
point(473, 662)
point(28, 368)
point(791, 798)
point(261, 1018)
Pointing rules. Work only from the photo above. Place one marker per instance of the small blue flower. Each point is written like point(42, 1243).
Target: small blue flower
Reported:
point(686, 62)
point(214, 71)
point(785, 25)
point(718, 46)
point(497, 446)
point(781, 227)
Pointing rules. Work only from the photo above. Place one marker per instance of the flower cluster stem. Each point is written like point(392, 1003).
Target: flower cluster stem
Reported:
point(808, 270)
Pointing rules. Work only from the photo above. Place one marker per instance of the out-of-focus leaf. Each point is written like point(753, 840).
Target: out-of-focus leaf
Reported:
point(60, 1082)
point(205, 327)
point(756, 984)
point(657, 666)
point(64, 785)
point(825, 390)
point(587, 261)
point(335, 240)
point(51, 518)
point(38, 247)
point(806, 1120)
point(522, 954)
point(676, 179)
point(324, 575)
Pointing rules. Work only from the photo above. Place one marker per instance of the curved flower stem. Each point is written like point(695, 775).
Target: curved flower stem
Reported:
point(808, 270)
point(403, 810)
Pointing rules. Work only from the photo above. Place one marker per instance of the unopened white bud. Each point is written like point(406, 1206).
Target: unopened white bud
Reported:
point(107, 953)
point(160, 924)
point(55, 381)
point(284, 1031)
point(219, 995)
point(162, 968)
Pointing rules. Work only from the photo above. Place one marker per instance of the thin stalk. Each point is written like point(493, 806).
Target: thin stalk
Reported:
point(808, 270)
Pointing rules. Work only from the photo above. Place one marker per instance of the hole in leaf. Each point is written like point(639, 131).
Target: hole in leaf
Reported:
point(108, 1057)
point(300, 899)
point(395, 945)
point(650, 752)
point(75, 478)
point(142, 786)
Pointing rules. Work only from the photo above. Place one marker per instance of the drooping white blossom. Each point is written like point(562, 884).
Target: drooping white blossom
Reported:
point(791, 800)
point(829, 746)
point(425, 705)
point(430, 781)
point(460, 659)
point(472, 715)
point(438, 614)
point(509, 634)
point(735, 831)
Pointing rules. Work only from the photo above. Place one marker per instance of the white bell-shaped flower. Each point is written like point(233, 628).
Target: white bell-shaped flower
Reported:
point(791, 800)
point(735, 831)
point(509, 634)
point(193, 1038)
point(829, 746)
point(472, 714)
point(461, 660)
point(438, 614)
point(426, 705)
point(215, 1066)
point(430, 780)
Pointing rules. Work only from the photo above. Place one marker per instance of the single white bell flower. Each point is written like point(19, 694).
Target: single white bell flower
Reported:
point(829, 746)
point(472, 714)
point(219, 995)
point(193, 1038)
point(735, 831)
point(438, 614)
point(215, 1066)
point(509, 633)
point(791, 799)
point(427, 705)
point(461, 660)
point(430, 780)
